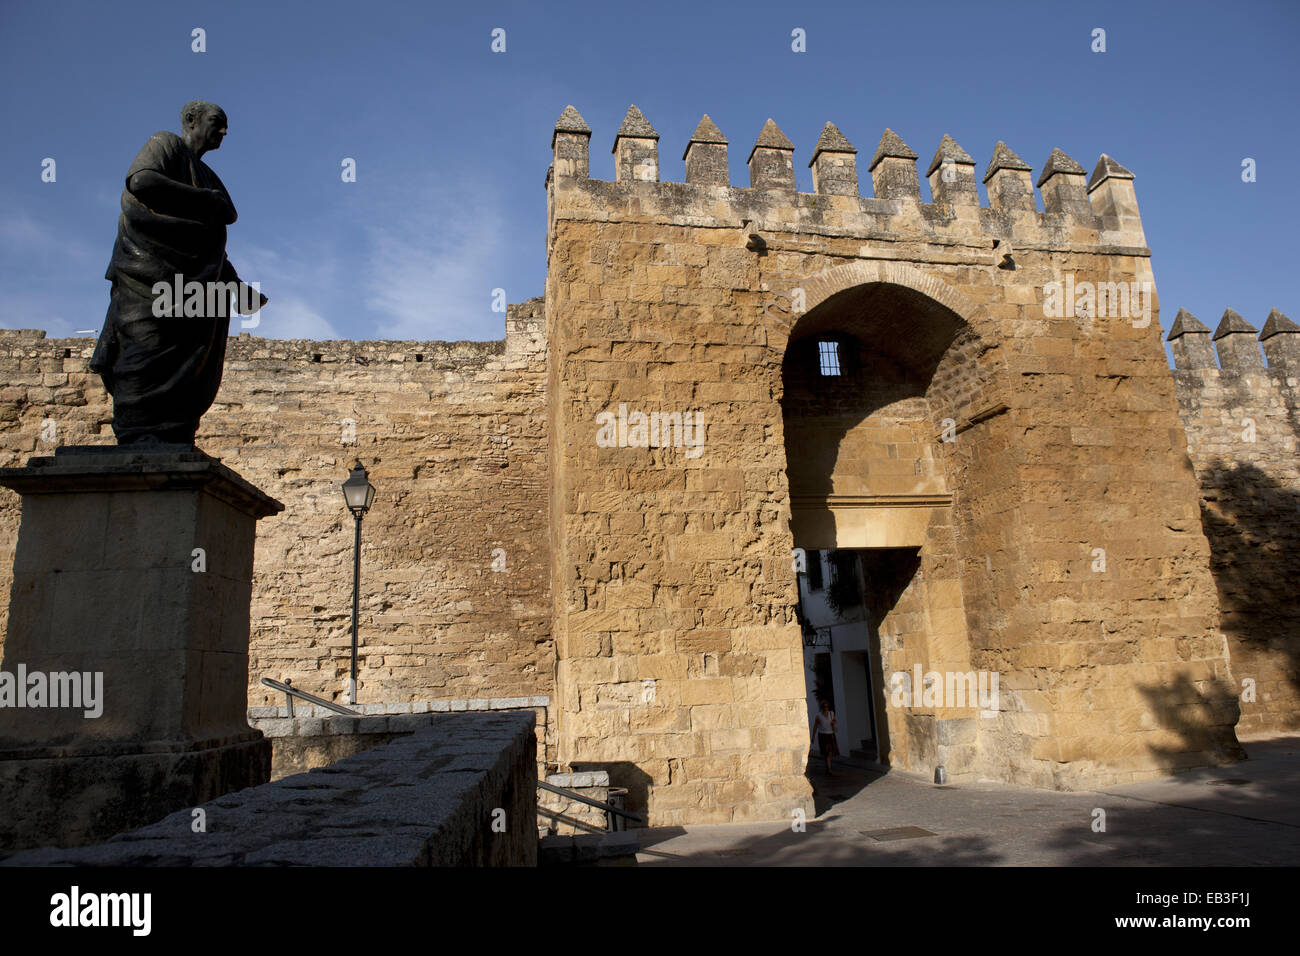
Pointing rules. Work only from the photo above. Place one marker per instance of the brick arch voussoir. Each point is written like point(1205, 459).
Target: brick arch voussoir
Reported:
point(818, 288)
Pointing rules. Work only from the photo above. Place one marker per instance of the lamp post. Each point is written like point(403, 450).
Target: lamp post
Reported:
point(359, 494)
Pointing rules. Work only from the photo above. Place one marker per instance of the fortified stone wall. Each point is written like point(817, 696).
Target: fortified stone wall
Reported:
point(434, 796)
point(1013, 443)
point(1243, 435)
point(673, 573)
point(453, 437)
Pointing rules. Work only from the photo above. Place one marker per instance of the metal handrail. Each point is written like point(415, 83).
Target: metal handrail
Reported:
point(599, 805)
point(557, 817)
point(290, 692)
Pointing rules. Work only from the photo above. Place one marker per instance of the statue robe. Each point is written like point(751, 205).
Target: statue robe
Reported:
point(163, 372)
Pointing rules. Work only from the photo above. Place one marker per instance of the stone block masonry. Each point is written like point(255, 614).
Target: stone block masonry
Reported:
point(104, 584)
point(1030, 456)
point(675, 573)
point(462, 791)
point(315, 737)
point(564, 815)
point(455, 590)
point(1243, 435)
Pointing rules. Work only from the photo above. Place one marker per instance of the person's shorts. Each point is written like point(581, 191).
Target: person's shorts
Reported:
point(826, 743)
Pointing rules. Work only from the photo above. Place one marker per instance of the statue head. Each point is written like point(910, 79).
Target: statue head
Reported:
point(203, 125)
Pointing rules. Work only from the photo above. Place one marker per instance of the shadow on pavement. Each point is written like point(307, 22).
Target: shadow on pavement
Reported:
point(1242, 815)
point(848, 781)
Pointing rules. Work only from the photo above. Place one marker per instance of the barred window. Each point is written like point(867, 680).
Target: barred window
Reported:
point(828, 351)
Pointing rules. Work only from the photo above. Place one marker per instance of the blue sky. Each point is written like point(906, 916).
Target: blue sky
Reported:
point(452, 141)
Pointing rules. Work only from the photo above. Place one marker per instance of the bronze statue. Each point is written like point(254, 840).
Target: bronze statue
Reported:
point(163, 345)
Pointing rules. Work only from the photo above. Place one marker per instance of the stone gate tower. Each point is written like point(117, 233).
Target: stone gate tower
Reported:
point(1003, 413)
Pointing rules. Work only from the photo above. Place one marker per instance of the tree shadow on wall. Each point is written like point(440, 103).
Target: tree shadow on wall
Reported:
point(1202, 714)
point(1253, 525)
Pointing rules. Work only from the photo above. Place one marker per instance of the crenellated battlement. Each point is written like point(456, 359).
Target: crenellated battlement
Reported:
point(31, 351)
point(1240, 411)
point(1242, 420)
point(1237, 344)
point(1079, 212)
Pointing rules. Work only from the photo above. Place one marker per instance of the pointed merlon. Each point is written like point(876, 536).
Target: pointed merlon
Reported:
point(1058, 162)
point(771, 137)
point(1185, 322)
point(891, 147)
point(1232, 322)
point(1275, 323)
point(949, 150)
point(570, 121)
point(831, 141)
point(1107, 168)
point(1004, 158)
point(635, 126)
point(706, 132)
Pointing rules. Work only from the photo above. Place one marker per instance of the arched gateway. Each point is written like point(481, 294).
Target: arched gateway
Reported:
point(868, 439)
point(737, 372)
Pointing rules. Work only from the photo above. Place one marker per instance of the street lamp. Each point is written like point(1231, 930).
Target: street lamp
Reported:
point(359, 494)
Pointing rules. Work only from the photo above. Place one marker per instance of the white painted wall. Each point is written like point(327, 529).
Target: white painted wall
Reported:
point(849, 642)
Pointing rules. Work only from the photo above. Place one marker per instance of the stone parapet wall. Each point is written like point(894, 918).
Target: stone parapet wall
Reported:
point(455, 576)
point(316, 737)
point(1243, 436)
point(429, 798)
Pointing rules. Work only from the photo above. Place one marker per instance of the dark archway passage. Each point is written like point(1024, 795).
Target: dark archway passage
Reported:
point(871, 507)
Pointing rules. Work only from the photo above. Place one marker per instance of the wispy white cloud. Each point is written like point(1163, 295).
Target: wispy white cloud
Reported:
point(23, 237)
point(286, 318)
point(50, 279)
point(405, 262)
point(299, 283)
point(433, 262)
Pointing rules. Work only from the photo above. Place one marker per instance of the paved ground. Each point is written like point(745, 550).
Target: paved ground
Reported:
point(1244, 815)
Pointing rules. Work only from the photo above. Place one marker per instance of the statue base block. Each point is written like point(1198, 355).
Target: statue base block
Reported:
point(56, 798)
point(124, 683)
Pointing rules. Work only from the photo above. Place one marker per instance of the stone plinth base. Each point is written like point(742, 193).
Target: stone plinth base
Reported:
point(123, 689)
point(461, 790)
point(56, 798)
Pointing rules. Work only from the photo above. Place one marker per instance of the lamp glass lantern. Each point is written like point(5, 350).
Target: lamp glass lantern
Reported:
point(358, 492)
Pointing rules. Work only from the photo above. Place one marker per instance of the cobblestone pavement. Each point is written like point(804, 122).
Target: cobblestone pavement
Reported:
point(1247, 814)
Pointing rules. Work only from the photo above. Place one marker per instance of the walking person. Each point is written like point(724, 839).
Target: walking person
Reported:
point(824, 726)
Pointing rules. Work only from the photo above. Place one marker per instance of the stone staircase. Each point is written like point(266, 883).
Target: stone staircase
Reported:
point(573, 833)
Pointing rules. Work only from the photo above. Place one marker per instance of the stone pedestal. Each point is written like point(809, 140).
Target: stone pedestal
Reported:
point(130, 603)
